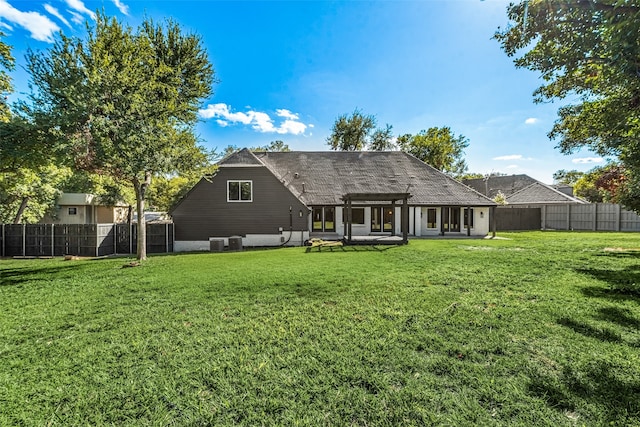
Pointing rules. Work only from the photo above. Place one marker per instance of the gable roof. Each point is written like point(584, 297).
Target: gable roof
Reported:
point(508, 184)
point(539, 193)
point(323, 177)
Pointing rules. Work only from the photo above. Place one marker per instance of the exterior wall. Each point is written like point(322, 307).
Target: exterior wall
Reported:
point(297, 238)
point(205, 211)
point(417, 222)
point(80, 217)
point(110, 214)
point(87, 214)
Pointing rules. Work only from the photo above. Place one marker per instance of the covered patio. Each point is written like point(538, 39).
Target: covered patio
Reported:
point(382, 239)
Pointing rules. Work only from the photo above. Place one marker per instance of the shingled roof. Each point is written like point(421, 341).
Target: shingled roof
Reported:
point(539, 193)
point(507, 184)
point(323, 177)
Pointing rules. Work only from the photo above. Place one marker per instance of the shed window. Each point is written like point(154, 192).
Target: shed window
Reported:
point(239, 191)
point(73, 211)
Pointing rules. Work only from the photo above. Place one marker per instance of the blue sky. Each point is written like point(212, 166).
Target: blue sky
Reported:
point(288, 69)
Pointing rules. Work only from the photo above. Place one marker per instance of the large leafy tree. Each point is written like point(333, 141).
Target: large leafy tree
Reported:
point(357, 131)
point(6, 64)
point(123, 102)
point(438, 147)
point(587, 51)
point(27, 194)
point(602, 184)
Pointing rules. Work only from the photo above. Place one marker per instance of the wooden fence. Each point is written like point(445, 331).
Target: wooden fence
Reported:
point(592, 217)
point(81, 239)
point(508, 219)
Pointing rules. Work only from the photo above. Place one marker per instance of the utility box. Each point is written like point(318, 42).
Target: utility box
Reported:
point(235, 243)
point(216, 245)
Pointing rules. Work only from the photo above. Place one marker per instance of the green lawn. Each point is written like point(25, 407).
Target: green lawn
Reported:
point(540, 329)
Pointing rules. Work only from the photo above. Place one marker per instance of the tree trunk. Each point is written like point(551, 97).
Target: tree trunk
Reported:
point(141, 189)
point(23, 206)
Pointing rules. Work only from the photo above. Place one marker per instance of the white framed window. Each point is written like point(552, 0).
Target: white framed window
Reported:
point(239, 191)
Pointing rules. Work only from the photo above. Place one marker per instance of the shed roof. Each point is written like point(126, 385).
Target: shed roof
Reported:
point(323, 177)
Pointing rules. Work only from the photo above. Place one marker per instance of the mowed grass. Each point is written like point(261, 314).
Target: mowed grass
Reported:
point(540, 329)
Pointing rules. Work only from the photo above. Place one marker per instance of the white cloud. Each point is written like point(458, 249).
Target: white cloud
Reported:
point(53, 11)
point(585, 160)
point(79, 6)
point(124, 9)
point(41, 27)
point(531, 121)
point(259, 121)
point(509, 157)
point(512, 167)
point(76, 17)
point(286, 114)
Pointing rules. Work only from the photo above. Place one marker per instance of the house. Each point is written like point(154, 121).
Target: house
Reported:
point(84, 208)
point(523, 191)
point(286, 198)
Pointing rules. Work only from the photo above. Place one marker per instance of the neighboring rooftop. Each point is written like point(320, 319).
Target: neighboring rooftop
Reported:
point(539, 193)
point(507, 184)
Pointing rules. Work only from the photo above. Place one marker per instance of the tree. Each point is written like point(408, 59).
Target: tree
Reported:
point(382, 139)
point(588, 50)
point(27, 194)
point(7, 63)
point(438, 147)
point(123, 103)
point(500, 199)
point(603, 184)
point(358, 132)
point(566, 177)
point(273, 146)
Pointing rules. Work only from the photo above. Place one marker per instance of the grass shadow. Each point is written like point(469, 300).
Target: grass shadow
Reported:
point(620, 254)
point(619, 316)
point(18, 276)
point(600, 383)
point(603, 334)
point(350, 248)
point(625, 281)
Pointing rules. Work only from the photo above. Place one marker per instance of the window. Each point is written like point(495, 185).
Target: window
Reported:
point(466, 215)
point(357, 216)
point(381, 218)
point(73, 211)
point(324, 219)
point(239, 191)
point(431, 218)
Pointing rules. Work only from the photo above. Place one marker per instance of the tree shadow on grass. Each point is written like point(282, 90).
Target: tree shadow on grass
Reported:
point(602, 334)
point(620, 254)
point(620, 316)
point(18, 276)
point(625, 281)
point(599, 383)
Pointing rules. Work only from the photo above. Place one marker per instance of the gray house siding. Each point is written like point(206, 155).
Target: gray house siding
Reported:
point(205, 211)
